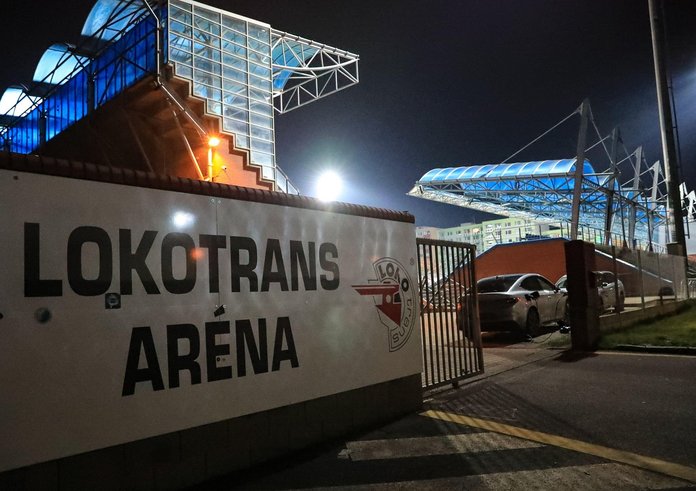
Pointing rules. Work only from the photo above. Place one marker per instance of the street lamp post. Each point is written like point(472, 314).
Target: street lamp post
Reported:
point(675, 218)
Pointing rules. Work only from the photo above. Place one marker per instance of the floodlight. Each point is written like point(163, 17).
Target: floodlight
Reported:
point(329, 186)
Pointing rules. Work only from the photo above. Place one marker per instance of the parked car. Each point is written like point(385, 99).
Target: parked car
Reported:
point(606, 290)
point(523, 302)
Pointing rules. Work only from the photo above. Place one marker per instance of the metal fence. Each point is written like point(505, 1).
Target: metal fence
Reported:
point(450, 329)
point(640, 279)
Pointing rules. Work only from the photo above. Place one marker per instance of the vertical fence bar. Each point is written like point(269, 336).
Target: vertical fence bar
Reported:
point(446, 278)
point(447, 362)
point(659, 275)
point(453, 309)
point(420, 258)
point(436, 314)
point(455, 351)
point(674, 278)
point(642, 286)
point(431, 327)
point(616, 280)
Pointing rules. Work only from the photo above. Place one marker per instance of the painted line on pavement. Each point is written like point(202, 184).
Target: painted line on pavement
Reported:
point(636, 460)
point(643, 353)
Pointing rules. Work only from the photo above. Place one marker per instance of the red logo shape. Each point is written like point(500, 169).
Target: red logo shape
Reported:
point(394, 298)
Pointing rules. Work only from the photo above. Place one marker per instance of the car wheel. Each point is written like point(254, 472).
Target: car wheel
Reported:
point(533, 326)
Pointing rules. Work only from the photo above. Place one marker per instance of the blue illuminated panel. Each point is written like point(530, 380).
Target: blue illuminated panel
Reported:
point(118, 67)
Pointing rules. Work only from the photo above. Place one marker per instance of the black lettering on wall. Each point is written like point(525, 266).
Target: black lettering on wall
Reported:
point(284, 331)
point(188, 282)
point(273, 256)
point(306, 265)
point(213, 350)
point(135, 261)
point(326, 251)
point(240, 270)
point(213, 243)
point(177, 362)
point(79, 284)
point(258, 352)
point(34, 286)
point(141, 340)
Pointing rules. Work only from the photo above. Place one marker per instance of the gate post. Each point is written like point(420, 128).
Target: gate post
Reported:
point(582, 295)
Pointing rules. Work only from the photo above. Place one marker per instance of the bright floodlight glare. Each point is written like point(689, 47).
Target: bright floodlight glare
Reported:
point(213, 141)
point(181, 219)
point(329, 186)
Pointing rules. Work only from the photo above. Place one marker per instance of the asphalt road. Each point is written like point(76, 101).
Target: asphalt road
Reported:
point(545, 420)
point(639, 403)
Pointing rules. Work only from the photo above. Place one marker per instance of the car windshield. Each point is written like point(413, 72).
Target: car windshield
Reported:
point(496, 284)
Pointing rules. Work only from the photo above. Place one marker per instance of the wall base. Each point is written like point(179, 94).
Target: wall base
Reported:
point(185, 458)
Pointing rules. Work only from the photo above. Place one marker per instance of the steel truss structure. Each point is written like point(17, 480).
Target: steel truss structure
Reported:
point(623, 203)
point(304, 71)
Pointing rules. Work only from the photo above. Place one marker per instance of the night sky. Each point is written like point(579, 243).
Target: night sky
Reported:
point(442, 83)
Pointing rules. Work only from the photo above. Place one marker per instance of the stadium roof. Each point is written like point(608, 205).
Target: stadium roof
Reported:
point(539, 190)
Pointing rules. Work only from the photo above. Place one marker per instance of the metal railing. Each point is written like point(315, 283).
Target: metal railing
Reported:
point(640, 279)
point(452, 348)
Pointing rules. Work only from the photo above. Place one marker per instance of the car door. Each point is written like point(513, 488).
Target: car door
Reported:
point(533, 284)
point(554, 300)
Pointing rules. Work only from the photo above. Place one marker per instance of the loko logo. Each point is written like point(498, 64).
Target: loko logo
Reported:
point(395, 299)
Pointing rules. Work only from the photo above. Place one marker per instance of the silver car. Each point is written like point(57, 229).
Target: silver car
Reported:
point(519, 302)
point(607, 285)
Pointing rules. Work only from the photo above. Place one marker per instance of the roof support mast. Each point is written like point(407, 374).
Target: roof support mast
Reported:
point(636, 189)
point(609, 217)
point(579, 164)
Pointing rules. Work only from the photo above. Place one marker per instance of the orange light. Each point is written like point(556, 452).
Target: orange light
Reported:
point(213, 141)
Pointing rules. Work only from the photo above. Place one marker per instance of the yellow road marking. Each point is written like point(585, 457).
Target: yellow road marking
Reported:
point(643, 353)
point(642, 461)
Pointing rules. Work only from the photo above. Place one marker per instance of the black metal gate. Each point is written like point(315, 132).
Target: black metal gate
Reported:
point(450, 328)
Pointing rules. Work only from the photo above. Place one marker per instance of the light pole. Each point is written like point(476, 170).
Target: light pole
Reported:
point(675, 219)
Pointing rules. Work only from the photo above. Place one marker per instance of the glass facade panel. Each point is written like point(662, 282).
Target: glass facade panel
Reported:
point(235, 62)
point(264, 158)
point(203, 77)
point(260, 95)
point(242, 141)
point(214, 108)
point(207, 65)
point(184, 71)
point(205, 25)
point(180, 15)
point(231, 57)
point(262, 81)
point(180, 29)
point(268, 173)
point(261, 108)
point(234, 23)
point(260, 120)
point(264, 134)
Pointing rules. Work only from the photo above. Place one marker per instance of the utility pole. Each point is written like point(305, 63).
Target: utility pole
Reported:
point(675, 217)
